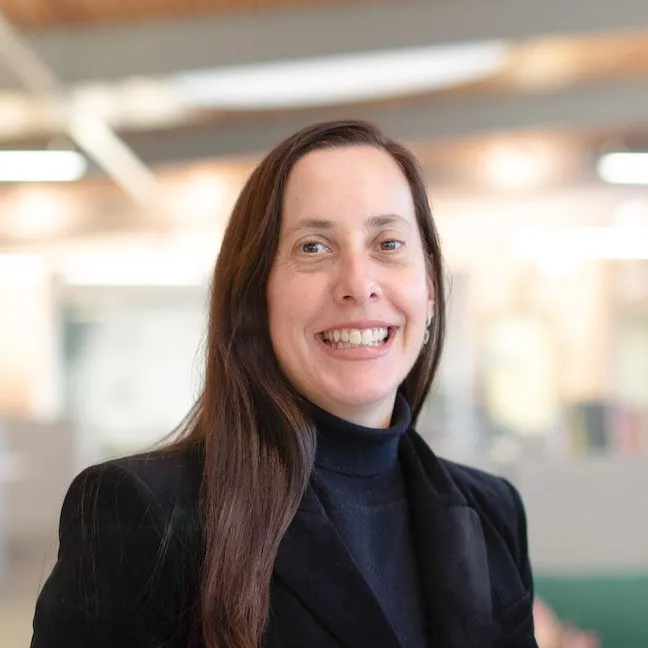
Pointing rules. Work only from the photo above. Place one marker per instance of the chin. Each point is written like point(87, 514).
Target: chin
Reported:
point(360, 398)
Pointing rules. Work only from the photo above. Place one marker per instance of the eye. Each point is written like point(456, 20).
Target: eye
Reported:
point(391, 245)
point(312, 247)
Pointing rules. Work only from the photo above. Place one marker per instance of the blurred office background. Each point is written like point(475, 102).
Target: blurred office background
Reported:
point(126, 130)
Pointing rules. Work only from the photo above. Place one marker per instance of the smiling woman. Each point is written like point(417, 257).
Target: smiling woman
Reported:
point(297, 505)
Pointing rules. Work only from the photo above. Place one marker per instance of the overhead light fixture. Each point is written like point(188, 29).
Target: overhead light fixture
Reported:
point(36, 213)
point(136, 267)
point(624, 168)
point(42, 166)
point(340, 79)
point(577, 243)
point(519, 167)
point(200, 199)
point(134, 102)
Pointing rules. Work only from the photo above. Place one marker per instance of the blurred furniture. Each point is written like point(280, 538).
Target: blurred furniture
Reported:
point(588, 541)
point(614, 607)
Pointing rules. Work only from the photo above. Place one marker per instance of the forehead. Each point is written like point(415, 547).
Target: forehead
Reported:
point(346, 182)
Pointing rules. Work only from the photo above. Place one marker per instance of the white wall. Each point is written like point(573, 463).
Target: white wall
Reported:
point(38, 468)
point(586, 514)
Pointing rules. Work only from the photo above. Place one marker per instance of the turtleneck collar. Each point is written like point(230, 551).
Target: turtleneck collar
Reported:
point(351, 449)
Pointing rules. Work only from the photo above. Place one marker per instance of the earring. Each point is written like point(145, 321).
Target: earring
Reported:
point(426, 335)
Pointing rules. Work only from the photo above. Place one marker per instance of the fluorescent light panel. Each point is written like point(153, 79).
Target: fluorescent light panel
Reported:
point(41, 166)
point(340, 79)
point(135, 268)
point(578, 243)
point(624, 168)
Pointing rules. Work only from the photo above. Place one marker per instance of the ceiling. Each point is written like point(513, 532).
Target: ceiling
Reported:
point(39, 14)
point(575, 80)
point(156, 47)
point(551, 63)
point(593, 81)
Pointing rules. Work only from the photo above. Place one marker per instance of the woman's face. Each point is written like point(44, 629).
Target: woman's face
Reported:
point(348, 293)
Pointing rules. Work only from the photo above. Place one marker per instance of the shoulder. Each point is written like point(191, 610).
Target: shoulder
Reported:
point(125, 527)
point(127, 554)
point(495, 500)
point(480, 489)
point(142, 496)
point(488, 492)
point(164, 478)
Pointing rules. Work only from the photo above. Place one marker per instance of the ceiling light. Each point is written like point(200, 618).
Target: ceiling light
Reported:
point(577, 243)
point(519, 167)
point(37, 213)
point(41, 166)
point(144, 102)
point(135, 268)
point(624, 168)
point(148, 103)
point(340, 79)
point(200, 198)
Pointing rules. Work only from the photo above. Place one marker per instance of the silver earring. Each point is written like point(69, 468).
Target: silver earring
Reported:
point(426, 335)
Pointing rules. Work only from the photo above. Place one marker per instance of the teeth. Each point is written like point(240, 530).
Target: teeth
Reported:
point(355, 337)
point(348, 338)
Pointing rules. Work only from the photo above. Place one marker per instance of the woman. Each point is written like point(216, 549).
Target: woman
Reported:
point(298, 507)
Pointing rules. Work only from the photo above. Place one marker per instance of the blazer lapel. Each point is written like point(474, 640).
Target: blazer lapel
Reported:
point(315, 565)
point(451, 550)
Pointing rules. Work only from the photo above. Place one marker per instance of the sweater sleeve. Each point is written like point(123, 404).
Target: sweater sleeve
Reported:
point(113, 582)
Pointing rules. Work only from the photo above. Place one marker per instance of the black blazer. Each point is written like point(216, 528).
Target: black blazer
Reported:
point(131, 541)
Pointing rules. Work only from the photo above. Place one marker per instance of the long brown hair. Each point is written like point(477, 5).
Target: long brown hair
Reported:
point(258, 443)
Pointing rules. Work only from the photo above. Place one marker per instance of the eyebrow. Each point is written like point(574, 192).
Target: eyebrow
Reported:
point(371, 223)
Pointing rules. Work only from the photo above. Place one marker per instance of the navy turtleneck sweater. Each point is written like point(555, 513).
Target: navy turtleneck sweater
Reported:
point(359, 481)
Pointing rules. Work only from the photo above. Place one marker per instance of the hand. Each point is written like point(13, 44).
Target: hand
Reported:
point(550, 633)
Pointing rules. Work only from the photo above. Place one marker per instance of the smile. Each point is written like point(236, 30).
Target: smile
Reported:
point(356, 338)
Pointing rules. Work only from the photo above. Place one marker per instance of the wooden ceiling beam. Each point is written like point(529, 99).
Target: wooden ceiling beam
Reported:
point(163, 47)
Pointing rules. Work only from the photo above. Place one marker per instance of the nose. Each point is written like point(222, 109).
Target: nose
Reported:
point(356, 280)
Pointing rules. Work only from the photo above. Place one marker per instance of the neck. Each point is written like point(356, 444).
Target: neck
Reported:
point(352, 449)
point(374, 415)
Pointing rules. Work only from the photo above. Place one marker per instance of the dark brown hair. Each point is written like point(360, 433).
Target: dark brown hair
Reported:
point(258, 443)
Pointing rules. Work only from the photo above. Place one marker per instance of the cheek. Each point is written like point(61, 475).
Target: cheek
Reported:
point(296, 296)
point(290, 306)
point(412, 298)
